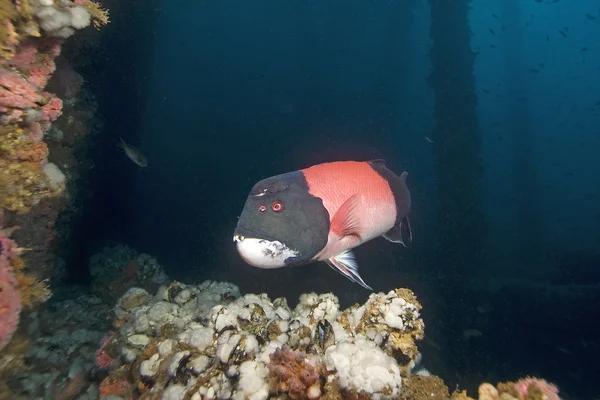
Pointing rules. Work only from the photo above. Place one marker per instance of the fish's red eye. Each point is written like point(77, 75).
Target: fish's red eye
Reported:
point(277, 206)
point(262, 208)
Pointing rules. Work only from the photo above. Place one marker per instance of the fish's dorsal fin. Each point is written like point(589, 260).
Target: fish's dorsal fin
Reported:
point(345, 264)
point(346, 221)
point(380, 161)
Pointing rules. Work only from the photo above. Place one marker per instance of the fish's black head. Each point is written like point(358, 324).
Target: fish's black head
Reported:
point(282, 223)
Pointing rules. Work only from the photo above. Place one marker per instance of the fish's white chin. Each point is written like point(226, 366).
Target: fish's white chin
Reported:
point(263, 253)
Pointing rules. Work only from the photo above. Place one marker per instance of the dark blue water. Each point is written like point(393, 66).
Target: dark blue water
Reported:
point(493, 108)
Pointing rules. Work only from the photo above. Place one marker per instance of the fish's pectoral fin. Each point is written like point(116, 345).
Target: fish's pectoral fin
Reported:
point(345, 264)
point(346, 221)
point(400, 233)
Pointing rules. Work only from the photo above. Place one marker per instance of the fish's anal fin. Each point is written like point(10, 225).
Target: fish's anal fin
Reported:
point(345, 264)
point(346, 221)
point(400, 233)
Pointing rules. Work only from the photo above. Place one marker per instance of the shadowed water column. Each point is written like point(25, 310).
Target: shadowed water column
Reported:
point(457, 141)
point(106, 191)
point(527, 236)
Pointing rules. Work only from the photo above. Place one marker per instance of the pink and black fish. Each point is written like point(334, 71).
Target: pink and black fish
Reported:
point(321, 213)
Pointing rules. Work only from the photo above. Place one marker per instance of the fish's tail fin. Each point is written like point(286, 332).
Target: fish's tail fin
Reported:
point(121, 143)
point(400, 233)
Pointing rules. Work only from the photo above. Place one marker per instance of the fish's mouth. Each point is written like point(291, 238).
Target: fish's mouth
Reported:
point(263, 253)
point(238, 238)
point(242, 233)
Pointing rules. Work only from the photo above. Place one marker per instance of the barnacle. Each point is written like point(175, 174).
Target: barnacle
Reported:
point(324, 335)
point(394, 316)
point(257, 322)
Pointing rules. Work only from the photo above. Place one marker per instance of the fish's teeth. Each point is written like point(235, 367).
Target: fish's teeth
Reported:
point(238, 238)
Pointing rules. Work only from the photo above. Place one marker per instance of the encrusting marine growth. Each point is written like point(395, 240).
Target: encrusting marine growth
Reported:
point(32, 33)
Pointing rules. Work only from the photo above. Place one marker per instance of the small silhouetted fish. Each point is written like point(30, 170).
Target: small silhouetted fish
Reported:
point(534, 70)
point(585, 48)
point(492, 31)
point(134, 154)
point(563, 33)
point(494, 15)
point(590, 16)
point(564, 351)
point(472, 334)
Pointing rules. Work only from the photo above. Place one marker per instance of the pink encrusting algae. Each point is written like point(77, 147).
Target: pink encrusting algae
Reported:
point(548, 389)
point(10, 297)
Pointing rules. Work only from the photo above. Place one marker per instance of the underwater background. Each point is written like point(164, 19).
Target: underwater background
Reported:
point(493, 107)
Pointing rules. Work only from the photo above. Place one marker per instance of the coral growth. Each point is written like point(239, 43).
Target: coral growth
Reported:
point(416, 387)
point(22, 184)
point(10, 297)
point(205, 341)
point(106, 355)
point(8, 35)
point(72, 389)
point(116, 385)
point(291, 374)
point(364, 370)
point(524, 389)
point(26, 112)
point(98, 14)
point(17, 92)
point(119, 268)
point(18, 288)
point(529, 386)
point(35, 60)
point(33, 291)
point(32, 34)
point(31, 38)
point(62, 343)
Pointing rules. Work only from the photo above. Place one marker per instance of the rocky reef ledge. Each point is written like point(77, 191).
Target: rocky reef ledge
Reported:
point(208, 341)
point(134, 334)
